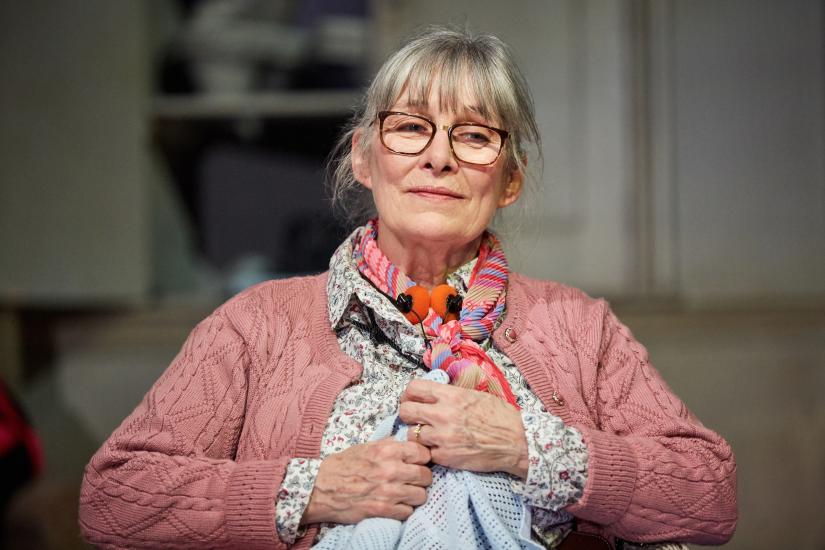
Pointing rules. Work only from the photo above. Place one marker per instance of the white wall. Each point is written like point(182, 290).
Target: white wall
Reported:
point(744, 83)
point(73, 146)
point(683, 142)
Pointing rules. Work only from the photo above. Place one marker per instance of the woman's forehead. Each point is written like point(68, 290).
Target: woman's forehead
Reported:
point(456, 96)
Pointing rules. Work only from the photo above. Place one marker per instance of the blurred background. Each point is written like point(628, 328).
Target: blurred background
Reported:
point(157, 156)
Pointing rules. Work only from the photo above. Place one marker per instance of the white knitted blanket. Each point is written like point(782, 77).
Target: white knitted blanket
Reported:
point(463, 510)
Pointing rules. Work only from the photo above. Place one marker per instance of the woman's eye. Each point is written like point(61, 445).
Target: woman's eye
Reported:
point(471, 137)
point(412, 127)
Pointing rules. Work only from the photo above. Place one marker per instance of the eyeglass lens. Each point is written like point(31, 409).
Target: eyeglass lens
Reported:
point(410, 135)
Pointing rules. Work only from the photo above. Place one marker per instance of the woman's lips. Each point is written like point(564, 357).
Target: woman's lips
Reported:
point(439, 193)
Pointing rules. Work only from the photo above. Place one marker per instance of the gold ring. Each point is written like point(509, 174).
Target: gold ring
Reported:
point(417, 432)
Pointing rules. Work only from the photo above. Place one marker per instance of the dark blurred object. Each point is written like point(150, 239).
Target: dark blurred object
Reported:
point(251, 180)
point(43, 516)
point(337, 52)
point(308, 241)
point(243, 193)
point(261, 203)
point(228, 42)
point(232, 47)
point(21, 456)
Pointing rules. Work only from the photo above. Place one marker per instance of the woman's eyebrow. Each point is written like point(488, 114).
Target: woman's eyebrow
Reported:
point(472, 113)
point(467, 113)
point(418, 106)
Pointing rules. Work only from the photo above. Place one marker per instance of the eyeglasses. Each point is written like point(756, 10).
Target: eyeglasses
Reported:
point(406, 134)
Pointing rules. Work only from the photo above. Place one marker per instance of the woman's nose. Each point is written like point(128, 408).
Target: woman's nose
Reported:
point(439, 157)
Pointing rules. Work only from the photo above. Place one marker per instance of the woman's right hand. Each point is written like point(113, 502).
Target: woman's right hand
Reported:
point(386, 478)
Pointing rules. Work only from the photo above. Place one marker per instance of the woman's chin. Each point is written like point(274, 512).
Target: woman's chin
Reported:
point(440, 227)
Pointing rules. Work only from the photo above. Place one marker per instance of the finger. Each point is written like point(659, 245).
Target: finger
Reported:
point(414, 433)
point(418, 434)
point(423, 391)
point(414, 474)
point(412, 413)
point(399, 512)
point(414, 453)
point(414, 496)
point(444, 457)
point(420, 476)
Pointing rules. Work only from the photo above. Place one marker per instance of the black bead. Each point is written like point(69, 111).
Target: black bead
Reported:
point(404, 303)
point(454, 303)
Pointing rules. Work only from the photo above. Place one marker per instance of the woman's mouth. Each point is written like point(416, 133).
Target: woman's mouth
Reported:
point(433, 192)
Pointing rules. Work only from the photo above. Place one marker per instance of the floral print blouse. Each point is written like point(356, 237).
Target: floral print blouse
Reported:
point(557, 454)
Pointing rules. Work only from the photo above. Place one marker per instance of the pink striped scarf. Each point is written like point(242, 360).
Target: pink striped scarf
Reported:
point(453, 345)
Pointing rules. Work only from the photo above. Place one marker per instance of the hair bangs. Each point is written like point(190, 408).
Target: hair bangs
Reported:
point(458, 80)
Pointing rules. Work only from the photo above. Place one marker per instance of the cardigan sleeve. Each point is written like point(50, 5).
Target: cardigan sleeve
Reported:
point(166, 477)
point(655, 473)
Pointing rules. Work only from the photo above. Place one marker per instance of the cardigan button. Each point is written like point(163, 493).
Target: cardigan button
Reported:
point(510, 334)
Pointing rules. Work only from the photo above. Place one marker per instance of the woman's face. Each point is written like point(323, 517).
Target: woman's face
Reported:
point(434, 197)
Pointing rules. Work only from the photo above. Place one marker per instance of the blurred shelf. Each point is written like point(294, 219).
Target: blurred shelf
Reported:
point(310, 103)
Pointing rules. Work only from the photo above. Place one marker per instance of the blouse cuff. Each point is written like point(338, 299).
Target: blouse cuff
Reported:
point(293, 498)
point(557, 462)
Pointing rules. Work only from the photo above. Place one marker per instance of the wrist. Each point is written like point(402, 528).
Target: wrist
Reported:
point(520, 460)
point(318, 509)
point(294, 496)
point(321, 508)
point(313, 512)
point(521, 465)
point(322, 504)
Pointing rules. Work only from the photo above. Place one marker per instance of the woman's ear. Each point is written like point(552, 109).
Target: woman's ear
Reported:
point(360, 164)
point(512, 189)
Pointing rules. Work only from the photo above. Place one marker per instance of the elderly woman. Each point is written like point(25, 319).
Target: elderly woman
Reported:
point(260, 433)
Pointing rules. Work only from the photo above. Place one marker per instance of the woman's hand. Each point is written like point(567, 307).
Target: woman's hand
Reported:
point(465, 429)
point(384, 478)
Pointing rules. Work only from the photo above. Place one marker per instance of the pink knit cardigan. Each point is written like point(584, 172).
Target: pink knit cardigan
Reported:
point(199, 462)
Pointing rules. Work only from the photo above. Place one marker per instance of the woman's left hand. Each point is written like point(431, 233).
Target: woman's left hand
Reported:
point(465, 429)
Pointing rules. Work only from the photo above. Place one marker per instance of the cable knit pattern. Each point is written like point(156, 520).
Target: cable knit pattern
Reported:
point(199, 462)
point(655, 473)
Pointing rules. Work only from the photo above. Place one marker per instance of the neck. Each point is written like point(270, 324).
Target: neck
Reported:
point(427, 263)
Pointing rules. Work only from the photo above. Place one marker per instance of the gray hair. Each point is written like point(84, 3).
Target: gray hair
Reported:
point(455, 62)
